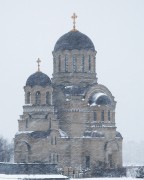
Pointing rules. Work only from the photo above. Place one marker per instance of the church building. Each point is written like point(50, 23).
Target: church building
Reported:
point(69, 120)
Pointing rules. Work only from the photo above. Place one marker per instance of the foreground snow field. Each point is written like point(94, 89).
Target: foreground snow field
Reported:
point(107, 178)
point(123, 178)
point(20, 177)
point(37, 176)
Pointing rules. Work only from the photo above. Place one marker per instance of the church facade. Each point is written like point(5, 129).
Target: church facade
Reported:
point(69, 120)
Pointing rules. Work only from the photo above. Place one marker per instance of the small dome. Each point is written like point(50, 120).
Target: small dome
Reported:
point(118, 134)
point(39, 79)
point(99, 99)
point(74, 40)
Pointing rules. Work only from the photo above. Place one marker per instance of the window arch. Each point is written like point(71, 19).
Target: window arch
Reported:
point(89, 63)
point(28, 98)
point(83, 62)
point(66, 63)
point(87, 161)
point(59, 63)
point(95, 116)
point(53, 140)
point(109, 118)
point(26, 125)
point(102, 115)
point(48, 98)
point(38, 98)
point(74, 63)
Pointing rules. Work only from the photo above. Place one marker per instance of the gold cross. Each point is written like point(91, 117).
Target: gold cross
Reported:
point(38, 61)
point(74, 16)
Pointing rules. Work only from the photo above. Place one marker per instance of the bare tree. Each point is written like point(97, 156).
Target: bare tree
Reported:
point(6, 150)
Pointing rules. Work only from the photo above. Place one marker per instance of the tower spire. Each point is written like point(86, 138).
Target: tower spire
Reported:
point(38, 61)
point(74, 16)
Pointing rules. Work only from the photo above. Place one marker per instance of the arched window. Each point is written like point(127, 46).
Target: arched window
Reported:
point(66, 63)
point(26, 125)
point(89, 63)
point(95, 116)
point(83, 63)
point(53, 140)
point(74, 63)
point(102, 115)
point(59, 63)
point(28, 100)
point(57, 158)
point(109, 116)
point(48, 99)
point(38, 98)
point(50, 158)
point(87, 159)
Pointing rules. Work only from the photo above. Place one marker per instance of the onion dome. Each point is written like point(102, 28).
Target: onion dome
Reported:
point(39, 79)
point(74, 40)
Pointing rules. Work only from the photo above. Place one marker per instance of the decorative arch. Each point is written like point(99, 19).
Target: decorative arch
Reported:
point(111, 145)
point(22, 149)
point(111, 153)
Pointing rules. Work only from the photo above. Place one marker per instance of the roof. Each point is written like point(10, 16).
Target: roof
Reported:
point(93, 134)
point(118, 134)
point(99, 99)
point(39, 79)
point(74, 90)
point(74, 40)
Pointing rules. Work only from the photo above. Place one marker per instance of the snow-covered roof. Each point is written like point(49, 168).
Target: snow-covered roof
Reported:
point(23, 132)
point(63, 134)
point(74, 90)
point(93, 134)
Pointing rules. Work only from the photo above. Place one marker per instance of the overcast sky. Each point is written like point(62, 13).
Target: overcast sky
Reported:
point(30, 28)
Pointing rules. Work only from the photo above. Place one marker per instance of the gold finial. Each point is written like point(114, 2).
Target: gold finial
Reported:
point(74, 16)
point(38, 61)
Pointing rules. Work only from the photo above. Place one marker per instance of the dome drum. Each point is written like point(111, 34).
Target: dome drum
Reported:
point(74, 62)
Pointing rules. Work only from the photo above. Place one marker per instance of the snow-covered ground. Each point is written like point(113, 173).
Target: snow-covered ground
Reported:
point(20, 177)
point(123, 178)
point(37, 176)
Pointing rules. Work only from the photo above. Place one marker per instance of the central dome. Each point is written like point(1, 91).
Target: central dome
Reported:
point(74, 40)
